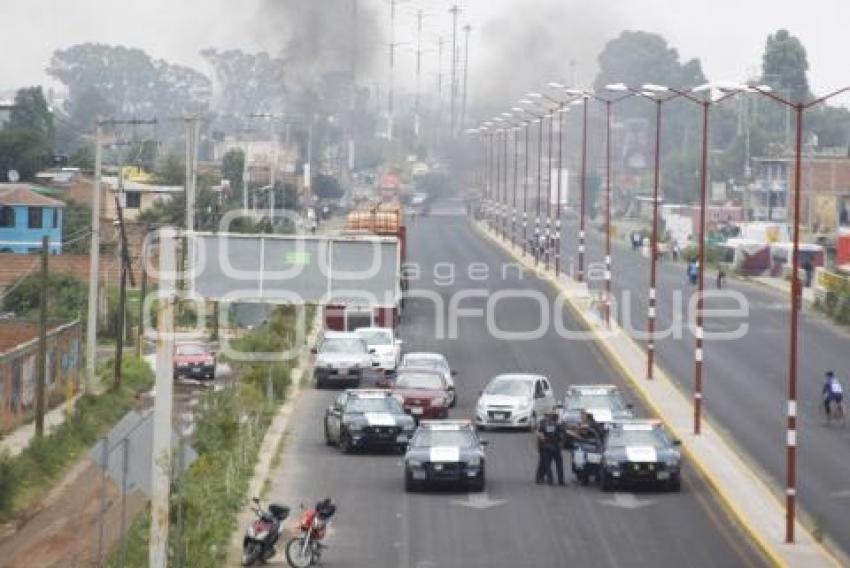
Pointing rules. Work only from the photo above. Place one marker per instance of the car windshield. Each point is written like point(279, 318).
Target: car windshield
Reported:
point(578, 401)
point(342, 345)
point(620, 438)
point(376, 336)
point(190, 350)
point(508, 387)
point(426, 381)
point(428, 438)
point(382, 404)
point(425, 363)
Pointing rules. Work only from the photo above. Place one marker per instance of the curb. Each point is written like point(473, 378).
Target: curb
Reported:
point(768, 550)
point(278, 427)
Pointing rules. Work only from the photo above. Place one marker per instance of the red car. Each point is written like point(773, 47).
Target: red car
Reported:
point(423, 393)
point(194, 360)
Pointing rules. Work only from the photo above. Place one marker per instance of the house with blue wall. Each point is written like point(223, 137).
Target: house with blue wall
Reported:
point(26, 217)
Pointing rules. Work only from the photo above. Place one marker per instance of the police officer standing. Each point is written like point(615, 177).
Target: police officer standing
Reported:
point(550, 441)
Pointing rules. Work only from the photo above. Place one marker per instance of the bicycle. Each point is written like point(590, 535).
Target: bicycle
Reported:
point(837, 414)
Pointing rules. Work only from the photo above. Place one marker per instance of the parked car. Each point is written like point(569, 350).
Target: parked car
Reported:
point(194, 360)
point(341, 358)
point(514, 400)
point(639, 452)
point(604, 402)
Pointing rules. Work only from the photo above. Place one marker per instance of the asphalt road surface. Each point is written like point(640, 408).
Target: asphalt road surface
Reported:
point(515, 522)
point(746, 380)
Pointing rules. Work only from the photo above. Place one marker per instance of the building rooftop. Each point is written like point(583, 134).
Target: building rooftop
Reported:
point(23, 194)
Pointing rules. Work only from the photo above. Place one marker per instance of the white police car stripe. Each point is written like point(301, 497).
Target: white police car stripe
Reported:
point(379, 419)
point(444, 454)
point(641, 454)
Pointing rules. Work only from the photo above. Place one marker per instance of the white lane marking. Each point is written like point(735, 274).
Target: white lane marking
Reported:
point(626, 501)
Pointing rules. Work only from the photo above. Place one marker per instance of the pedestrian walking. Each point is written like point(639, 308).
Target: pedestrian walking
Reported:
point(809, 268)
point(721, 274)
point(693, 271)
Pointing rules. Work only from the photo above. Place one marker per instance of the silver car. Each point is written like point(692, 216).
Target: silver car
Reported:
point(514, 401)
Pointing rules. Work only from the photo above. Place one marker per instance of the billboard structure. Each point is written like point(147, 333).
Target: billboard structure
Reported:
point(282, 269)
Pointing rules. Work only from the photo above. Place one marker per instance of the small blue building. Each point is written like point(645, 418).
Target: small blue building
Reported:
point(27, 216)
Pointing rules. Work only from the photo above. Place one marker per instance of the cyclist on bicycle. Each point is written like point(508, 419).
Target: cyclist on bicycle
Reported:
point(832, 392)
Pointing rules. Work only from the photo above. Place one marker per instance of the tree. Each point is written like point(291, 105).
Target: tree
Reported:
point(84, 108)
point(76, 221)
point(128, 80)
point(67, 296)
point(171, 170)
point(23, 151)
point(32, 113)
point(233, 168)
point(636, 58)
point(247, 82)
point(784, 65)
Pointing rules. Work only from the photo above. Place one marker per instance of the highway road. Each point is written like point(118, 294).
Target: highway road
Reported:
point(745, 381)
point(515, 523)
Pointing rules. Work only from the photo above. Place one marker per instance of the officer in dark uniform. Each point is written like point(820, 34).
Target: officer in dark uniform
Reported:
point(550, 441)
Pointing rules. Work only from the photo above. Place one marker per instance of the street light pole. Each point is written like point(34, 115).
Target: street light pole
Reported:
point(653, 253)
point(583, 206)
point(796, 291)
point(513, 199)
point(561, 112)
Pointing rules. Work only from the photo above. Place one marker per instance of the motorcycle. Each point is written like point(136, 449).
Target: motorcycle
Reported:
point(262, 534)
point(306, 549)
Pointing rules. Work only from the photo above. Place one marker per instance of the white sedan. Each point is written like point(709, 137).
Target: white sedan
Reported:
point(383, 345)
point(434, 362)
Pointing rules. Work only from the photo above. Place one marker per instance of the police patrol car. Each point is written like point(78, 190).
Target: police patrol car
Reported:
point(604, 402)
point(639, 451)
point(363, 418)
point(445, 452)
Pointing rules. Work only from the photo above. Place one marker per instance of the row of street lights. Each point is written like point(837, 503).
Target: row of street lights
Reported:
point(705, 96)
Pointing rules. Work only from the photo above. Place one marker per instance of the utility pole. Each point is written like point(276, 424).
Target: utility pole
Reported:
point(439, 126)
point(192, 139)
point(94, 253)
point(466, 29)
point(350, 146)
point(140, 340)
point(42, 343)
point(161, 456)
point(390, 94)
point(126, 270)
point(454, 11)
point(94, 259)
point(418, 72)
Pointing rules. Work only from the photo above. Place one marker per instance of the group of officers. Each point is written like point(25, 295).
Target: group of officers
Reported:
point(553, 437)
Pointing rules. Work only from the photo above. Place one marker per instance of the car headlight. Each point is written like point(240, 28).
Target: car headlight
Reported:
point(672, 462)
point(414, 463)
point(355, 427)
point(409, 426)
point(439, 401)
point(474, 461)
point(524, 405)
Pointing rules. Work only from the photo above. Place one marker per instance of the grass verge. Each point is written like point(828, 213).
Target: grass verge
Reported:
point(230, 427)
point(26, 477)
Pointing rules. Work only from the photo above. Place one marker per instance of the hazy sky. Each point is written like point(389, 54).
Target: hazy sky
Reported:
point(511, 38)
